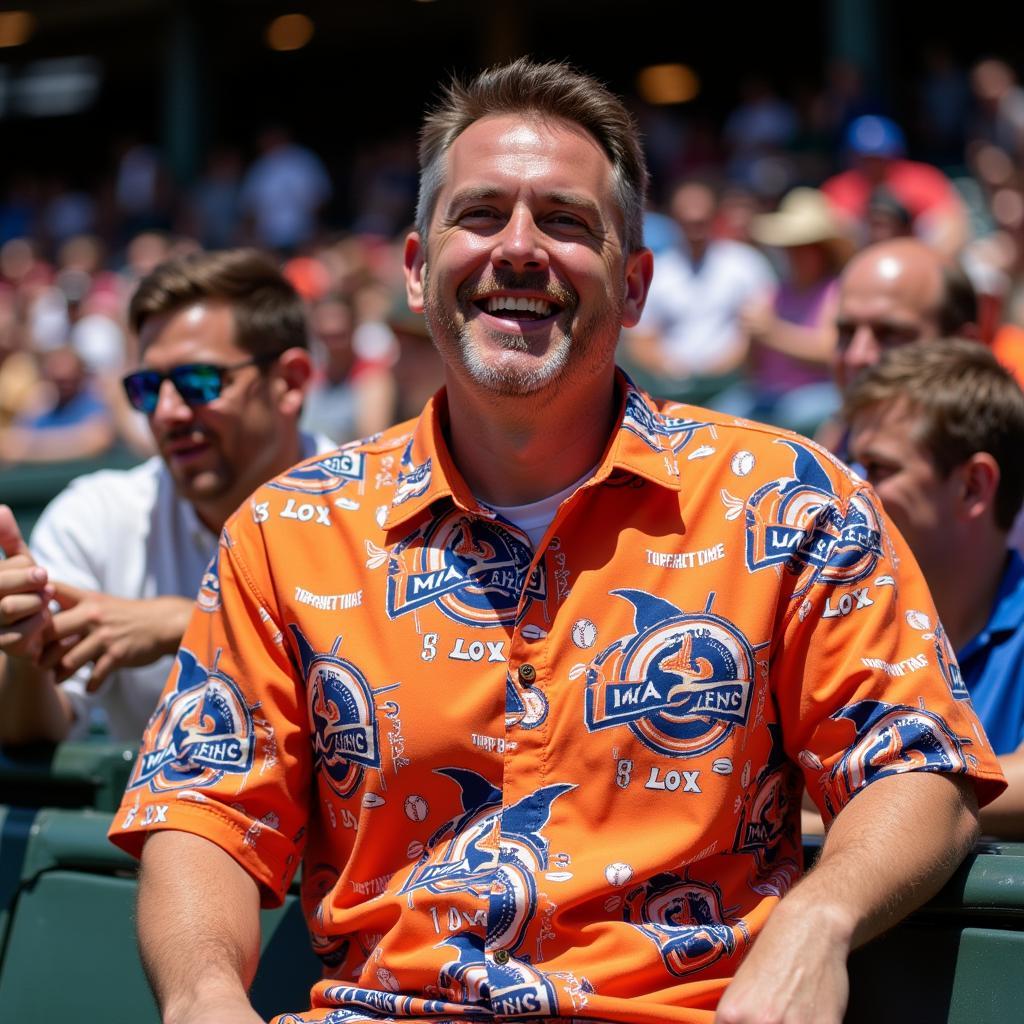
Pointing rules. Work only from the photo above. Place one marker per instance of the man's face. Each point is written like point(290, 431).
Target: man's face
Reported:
point(884, 301)
point(693, 207)
point(523, 279)
point(883, 439)
point(219, 452)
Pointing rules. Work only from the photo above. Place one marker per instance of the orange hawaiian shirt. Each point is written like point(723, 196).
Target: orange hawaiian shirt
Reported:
point(552, 783)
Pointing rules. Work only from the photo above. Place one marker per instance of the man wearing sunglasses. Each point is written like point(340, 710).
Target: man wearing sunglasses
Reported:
point(224, 367)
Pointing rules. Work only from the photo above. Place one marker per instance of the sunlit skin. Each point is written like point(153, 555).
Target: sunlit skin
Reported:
point(527, 211)
point(220, 452)
point(889, 296)
point(947, 520)
point(919, 501)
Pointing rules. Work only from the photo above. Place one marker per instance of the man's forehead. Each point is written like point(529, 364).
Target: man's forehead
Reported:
point(525, 143)
point(206, 323)
point(911, 280)
point(888, 424)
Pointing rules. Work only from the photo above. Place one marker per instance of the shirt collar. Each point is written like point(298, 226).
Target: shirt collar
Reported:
point(644, 442)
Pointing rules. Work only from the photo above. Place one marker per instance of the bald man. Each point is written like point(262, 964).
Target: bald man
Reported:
point(896, 292)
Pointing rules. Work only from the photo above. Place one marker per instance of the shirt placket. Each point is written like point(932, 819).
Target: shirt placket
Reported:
point(512, 907)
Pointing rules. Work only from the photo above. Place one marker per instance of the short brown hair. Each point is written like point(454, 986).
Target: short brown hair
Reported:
point(554, 90)
point(268, 312)
point(967, 403)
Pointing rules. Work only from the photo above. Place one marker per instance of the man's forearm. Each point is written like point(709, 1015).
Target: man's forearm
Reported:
point(1004, 817)
point(888, 851)
point(199, 929)
point(32, 706)
point(891, 849)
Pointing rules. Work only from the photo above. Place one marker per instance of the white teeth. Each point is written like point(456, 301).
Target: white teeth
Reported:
point(508, 303)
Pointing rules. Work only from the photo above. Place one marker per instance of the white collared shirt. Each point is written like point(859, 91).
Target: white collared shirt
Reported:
point(127, 533)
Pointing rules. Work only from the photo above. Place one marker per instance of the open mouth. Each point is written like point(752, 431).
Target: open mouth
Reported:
point(184, 449)
point(519, 308)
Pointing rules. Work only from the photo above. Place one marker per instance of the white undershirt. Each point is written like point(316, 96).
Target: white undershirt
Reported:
point(534, 519)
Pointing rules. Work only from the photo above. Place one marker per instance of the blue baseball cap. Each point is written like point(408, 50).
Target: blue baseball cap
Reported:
point(872, 135)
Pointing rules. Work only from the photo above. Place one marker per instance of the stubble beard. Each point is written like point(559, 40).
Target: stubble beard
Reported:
point(567, 358)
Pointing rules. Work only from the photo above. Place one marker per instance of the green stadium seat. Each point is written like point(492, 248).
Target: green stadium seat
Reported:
point(87, 773)
point(70, 944)
point(959, 959)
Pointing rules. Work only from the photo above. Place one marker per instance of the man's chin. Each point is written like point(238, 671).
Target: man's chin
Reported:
point(197, 486)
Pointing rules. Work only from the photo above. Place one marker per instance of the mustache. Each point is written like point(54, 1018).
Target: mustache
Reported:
point(183, 433)
point(536, 281)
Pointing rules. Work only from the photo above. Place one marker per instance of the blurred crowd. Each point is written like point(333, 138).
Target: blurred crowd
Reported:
point(752, 219)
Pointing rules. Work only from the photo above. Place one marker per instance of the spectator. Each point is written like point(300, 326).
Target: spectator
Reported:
point(939, 430)
point(348, 397)
point(214, 204)
point(793, 334)
point(690, 344)
point(896, 292)
point(224, 369)
point(67, 419)
point(468, 690)
point(283, 192)
point(19, 375)
point(876, 147)
point(999, 116)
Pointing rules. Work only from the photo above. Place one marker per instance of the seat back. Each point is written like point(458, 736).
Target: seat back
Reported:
point(88, 773)
point(70, 946)
point(959, 959)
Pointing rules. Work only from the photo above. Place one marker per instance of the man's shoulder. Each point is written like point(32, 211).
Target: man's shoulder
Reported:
point(745, 448)
point(351, 480)
point(117, 488)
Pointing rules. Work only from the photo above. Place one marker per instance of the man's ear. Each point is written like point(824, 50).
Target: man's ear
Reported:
point(415, 263)
point(639, 271)
point(294, 369)
point(979, 482)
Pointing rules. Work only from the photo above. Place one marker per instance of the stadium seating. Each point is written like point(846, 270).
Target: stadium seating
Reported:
point(87, 773)
point(68, 950)
point(67, 941)
point(960, 959)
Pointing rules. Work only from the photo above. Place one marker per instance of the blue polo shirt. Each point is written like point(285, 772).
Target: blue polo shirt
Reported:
point(992, 663)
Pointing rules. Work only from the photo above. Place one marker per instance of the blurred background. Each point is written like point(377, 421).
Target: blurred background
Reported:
point(133, 129)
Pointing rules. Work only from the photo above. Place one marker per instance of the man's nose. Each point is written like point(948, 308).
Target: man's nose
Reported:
point(520, 245)
point(863, 350)
point(170, 406)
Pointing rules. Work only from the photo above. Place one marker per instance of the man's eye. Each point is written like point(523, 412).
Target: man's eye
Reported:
point(567, 221)
point(478, 213)
point(876, 472)
point(893, 337)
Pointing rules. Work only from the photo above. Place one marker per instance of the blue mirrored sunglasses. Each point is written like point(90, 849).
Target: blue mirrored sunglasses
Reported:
point(197, 383)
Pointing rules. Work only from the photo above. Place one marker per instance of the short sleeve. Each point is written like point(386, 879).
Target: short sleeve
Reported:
point(226, 755)
point(864, 677)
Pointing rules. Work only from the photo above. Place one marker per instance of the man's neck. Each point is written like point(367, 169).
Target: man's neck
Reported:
point(965, 592)
point(513, 451)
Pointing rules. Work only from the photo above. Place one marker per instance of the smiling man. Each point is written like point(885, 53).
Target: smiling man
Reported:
point(123, 553)
point(533, 684)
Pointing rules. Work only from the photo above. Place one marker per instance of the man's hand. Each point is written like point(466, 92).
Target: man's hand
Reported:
point(113, 632)
point(794, 974)
point(757, 317)
point(25, 594)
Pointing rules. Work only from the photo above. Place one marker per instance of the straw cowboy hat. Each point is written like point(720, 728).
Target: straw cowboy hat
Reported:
point(804, 217)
